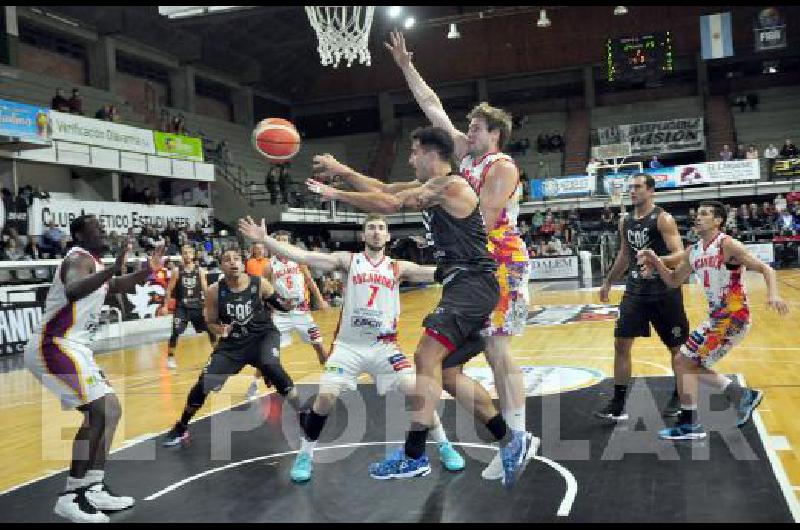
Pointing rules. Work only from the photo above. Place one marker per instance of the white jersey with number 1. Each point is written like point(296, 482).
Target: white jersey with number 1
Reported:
point(371, 302)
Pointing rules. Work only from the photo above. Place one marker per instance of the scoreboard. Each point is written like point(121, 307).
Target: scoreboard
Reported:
point(643, 58)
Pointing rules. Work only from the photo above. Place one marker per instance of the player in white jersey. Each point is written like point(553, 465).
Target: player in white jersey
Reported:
point(719, 262)
point(366, 337)
point(59, 357)
point(290, 280)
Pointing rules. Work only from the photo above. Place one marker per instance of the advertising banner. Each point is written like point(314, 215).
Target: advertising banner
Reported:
point(28, 123)
point(177, 146)
point(656, 137)
point(88, 131)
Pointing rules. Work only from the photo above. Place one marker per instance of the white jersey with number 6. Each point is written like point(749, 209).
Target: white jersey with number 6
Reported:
point(290, 283)
point(371, 302)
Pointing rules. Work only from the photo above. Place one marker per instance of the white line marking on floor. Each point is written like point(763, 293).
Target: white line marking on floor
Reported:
point(780, 443)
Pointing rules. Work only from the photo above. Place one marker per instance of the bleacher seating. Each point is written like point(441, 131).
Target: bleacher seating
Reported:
point(640, 112)
point(777, 118)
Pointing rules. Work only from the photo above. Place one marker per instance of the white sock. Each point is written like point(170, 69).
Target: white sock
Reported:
point(689, 407)
point(515, 419)
point(727, 382)
point(307, 446)
point(76, 483)
point(437, 433)
point(96, 475)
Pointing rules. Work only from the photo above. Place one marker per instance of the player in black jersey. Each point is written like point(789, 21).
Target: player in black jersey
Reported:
point(456, 231)
point(235, 310)
point(647, 299)
point(190, 285)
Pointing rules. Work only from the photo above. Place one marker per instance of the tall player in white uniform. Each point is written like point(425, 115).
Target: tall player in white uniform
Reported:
point(366, 337)
point(290, 280)
point(719, 262)
point(59, 357)
point(495, 178)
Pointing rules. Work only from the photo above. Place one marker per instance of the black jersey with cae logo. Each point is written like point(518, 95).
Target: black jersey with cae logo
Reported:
point(640, 234)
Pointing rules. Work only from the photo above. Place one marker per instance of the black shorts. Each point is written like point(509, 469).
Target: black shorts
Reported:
point(183, 316)
point(229, 357)
point(665, 312)
point(468, 299)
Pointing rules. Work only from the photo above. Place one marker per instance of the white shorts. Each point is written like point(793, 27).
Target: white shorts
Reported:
point(67, 369)
point(383, 361)
point(300, 321)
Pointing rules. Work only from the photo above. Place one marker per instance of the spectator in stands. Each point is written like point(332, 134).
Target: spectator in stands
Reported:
point(537, 221)
point(752, 153)
point(283, 183)
point(103, 113)
point(771, 153)
point(53, 240)
point(271, 184)
point(556, 143)
point(726, 154)
point(148, 198)
point(743, 218)
point(741, 152)
point(768, 208)
point(655, 163)
point(76, 102)
point(780, 203)
point(257, 261)
point(525, 232)
point(607, 222)
point(32, 249)
point(542, 143)
point(741, 102)
point(59, 102)
point(171, 231)
point(752, 101)
point(41, 194)
point(113, 114)
point(755, 214)
point(170, 246)
point(12, 250)
point(788, 150)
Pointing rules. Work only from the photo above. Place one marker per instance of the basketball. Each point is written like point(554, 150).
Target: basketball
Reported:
point(276, 139)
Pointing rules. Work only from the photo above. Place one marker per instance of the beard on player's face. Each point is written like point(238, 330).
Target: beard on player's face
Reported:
point(375, 248)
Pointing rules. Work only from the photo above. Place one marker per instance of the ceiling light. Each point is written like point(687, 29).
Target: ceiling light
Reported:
point(394, 11)
point(453, 33)
point(409, 22)
point(620, 10)
point(543, 21)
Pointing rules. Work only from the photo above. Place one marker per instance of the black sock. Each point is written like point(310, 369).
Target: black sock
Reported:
point(734, 392)
point(312, 424)
point(687, 416)
point(186, 417)
point(415, 440)
point(499, 429)
point(620, 391)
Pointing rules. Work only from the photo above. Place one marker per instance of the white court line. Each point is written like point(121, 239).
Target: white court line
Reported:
point(775, 461)
point(667, 370)
point(564, 508)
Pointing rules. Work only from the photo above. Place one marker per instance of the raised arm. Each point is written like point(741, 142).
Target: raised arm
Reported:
point(736, 252)
point(326, 166)
point(371, 201)
point(669, 232)
point(416, 273)
point(318, 260)
point(426, 98)
point(128, 282)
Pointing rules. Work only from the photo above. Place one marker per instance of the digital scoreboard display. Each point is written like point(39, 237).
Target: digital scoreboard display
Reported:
point(642, 58)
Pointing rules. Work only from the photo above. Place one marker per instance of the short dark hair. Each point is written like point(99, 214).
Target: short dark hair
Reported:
point(78, 224)
point(649, 181)
point(720, 210)
point(435, 139)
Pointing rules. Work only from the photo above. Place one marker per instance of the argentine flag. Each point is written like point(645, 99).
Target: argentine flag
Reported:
point(715, 36)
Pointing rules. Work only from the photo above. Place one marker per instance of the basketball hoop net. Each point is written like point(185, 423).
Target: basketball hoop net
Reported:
point(342, 32)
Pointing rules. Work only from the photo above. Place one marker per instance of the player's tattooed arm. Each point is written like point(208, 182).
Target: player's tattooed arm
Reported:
point(326, 167)
point(736, 253)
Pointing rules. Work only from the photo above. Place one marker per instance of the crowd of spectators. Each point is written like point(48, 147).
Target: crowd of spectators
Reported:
point(71, 105)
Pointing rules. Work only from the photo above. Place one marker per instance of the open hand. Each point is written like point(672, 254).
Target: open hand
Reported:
point(251, 230)
point(327, 192)
point(779, 305)
point(398, 49)
point(326, 167)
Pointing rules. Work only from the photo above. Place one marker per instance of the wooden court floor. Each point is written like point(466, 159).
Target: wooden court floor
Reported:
point(37, 434)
